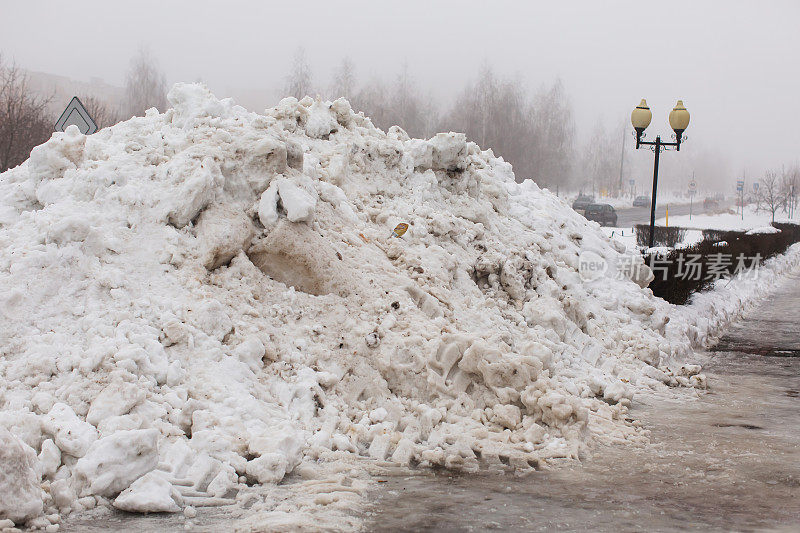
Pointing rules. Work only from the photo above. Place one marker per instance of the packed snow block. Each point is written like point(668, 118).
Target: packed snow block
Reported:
point(50, 458)
point(267, 207)
point(297, 197)
point(321, 121)
point(294, 155)
point(222, 231)
point(116, 399)
point(212, 318)
point(290, 113)
point(553, 407)
point(265, 157)
point(114, 462)
point(444, 375)
point(268, 468)
point(449, 152)
point(426, 303)
point(297, 256)
point(194, 193)
point(498, 369)
point(20, 489)
point(251, 352)
point(193, 101)
point(225, 481)
point(64, 151)
point(62, 493)
point(151, 493)
point(298, 202)
point(72, 435)
point(343, 112)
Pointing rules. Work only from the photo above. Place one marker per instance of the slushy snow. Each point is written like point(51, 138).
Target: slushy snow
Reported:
point(202, 300)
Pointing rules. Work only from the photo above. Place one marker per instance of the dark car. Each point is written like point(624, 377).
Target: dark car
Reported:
point(602, 213)
point(641, 201)
point(581, 202)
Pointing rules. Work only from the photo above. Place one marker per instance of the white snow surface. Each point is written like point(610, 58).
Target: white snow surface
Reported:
point(208, 296)
point(753, 218)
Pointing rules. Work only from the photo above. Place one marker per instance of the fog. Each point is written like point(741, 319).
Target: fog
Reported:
point(732, 63)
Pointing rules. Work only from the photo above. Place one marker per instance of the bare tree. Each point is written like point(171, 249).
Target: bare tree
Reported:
point(24, 122)
point(600, 159)
point(344, 80)
point(146, 85)
point(372, 99)
point(789, 182)
point(298, 82)
point(553, 136)
point(769, 192)
point(102, 113)
point(495, 113)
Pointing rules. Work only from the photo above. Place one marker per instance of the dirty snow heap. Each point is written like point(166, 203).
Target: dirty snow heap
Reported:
point(207, 298)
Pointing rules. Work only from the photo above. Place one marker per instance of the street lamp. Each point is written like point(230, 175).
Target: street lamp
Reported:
point(678, 121)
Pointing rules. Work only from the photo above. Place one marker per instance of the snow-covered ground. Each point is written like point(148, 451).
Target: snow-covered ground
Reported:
point(199, 302)
point(729, 220)
point(627, 237)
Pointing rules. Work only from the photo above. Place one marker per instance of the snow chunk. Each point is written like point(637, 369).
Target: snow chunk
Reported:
point(212, 319)
point(449, 151)
point(114, 462)
point(72, 435)
point(321, 121)
point(150, 493)
point(251, 352)
point(192, 101)
point(115, 399)
point(20, 493)
point(298, 203)
point(268, 206)
point(50, 458)
point(196, 191)
point(223, 231)
point(64, 151)
point(268, 468)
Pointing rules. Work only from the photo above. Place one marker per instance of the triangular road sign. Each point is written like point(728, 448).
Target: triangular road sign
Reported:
point(76, 114)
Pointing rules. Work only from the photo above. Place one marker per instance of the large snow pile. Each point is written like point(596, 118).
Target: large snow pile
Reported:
point(207, 298)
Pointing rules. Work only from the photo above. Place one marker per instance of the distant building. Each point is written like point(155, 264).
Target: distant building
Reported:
point(61, 89)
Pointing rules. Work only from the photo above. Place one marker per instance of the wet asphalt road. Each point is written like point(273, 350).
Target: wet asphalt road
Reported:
point(720, 460)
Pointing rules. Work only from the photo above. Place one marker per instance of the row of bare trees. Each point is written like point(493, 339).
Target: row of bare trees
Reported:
point(777, 191)
point(23, 116)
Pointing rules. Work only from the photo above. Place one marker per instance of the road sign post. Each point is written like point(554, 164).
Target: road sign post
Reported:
point(740, 188)
point(76, 115)
point(692, 192)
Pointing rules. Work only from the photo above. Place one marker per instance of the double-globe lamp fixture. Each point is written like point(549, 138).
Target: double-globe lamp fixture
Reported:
point(678, 121)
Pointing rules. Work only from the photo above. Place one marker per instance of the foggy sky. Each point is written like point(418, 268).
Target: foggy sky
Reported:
point(734, 63)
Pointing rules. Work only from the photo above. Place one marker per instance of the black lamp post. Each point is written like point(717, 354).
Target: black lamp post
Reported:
point(679, 121)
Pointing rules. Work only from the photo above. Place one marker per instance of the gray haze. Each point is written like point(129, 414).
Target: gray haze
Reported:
point(733, 63)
